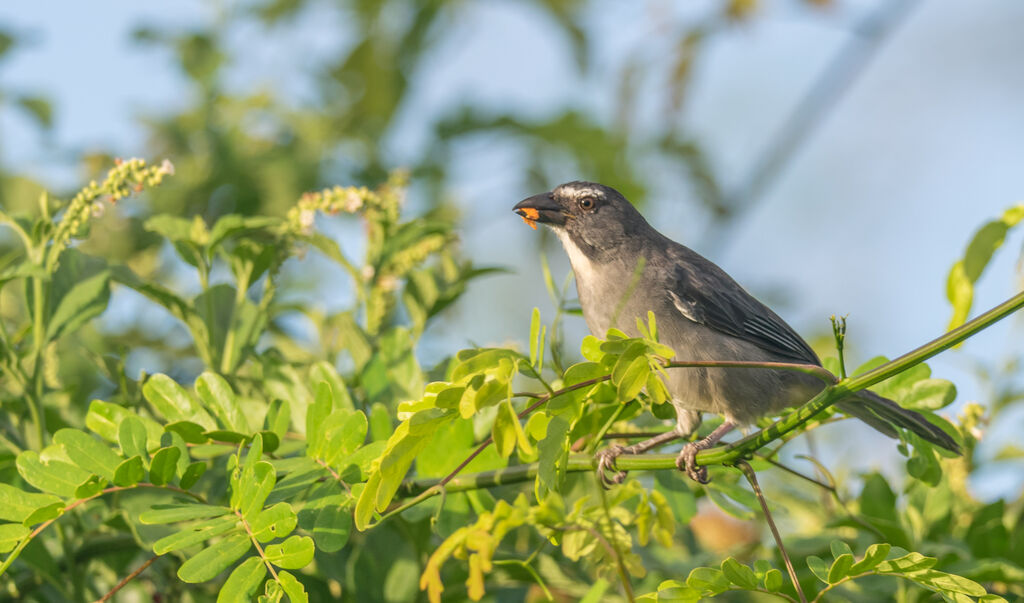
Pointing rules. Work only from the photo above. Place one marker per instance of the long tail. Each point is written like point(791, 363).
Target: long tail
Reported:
point(882, 413)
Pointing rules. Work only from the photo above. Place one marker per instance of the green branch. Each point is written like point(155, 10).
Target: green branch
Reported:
point(744, 447)
point(423, 489)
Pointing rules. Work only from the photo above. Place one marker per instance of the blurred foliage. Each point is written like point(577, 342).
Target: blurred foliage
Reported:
point(300, 481)
point(280, 422)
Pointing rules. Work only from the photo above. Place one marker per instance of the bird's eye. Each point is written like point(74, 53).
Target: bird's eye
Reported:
point(587, 203)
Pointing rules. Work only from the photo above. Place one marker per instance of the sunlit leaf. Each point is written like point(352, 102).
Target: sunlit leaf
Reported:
point(295, 552)
point(255, 487)
point(10, 535)
point(45, 513)
point(196, 534)
point(84, 301)
point(818, 567)
point(88, 453)
point(739, 574)
point(133, 437)
point(129, 472)
point(217, 395)
point(164, 465)
point(54, 476)
point(840, 568)
point(211, 561)
point(174, 403)
point(243, 581)
point(172, 513)
point(16, 504)
point(293, 588)
point(273, 522)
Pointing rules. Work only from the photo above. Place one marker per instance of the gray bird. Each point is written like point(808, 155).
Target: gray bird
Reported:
point(625, 268)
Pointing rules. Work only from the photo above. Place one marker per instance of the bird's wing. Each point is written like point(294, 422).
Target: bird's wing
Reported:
point(710, 297)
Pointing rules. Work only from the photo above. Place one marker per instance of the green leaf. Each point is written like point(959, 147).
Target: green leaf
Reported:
point(840, 568)
point(838, 547)
point(174, 403)
point(192, 433)
point(929, 394)
point(231, 437)
point(909, 563)
point(708, 580)
point(278, 417)
point(875, 554)
point(241, 585)
point(255, 487)
point(295, 552)
point(84, 301)
point(88, 453)
point(727, 504)
point(503, 432)
point(129, 472)
point(739, 574)
point(818, 567)
point(196, 534)
point(192, 474)
point(316, 414)
point(273, 522)
point(54, 476)
point(133, 437)
point(173, 513)
point(292, 587)
point(10, 535)
point(217, 395)
point(380, 422)
point(553, 455)
point(50, 511)
point(104, 419)
point(332, 528)
point(947, 583)
point(963, 275)
point(324, 371)
point(680, 498)
point(90, 487)
point(773, 580)
point(211, 561)
point(878, 506)
point(164, 465)
point(633, 379)
point(595, 594)
point(345, 437)
point(16, 504)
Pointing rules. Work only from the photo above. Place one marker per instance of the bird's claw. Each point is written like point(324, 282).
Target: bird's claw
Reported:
point(606, 461)
point(687, 462)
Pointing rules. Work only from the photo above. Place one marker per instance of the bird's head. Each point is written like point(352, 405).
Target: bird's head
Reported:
point(594, 217)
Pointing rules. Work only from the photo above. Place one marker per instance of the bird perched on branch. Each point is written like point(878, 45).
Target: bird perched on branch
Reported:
point(625, 268)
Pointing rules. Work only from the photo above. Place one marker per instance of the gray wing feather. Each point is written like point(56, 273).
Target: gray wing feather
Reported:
point(715, 300)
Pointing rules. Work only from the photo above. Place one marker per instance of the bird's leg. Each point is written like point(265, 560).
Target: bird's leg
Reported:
point(606, 458)
point(687, 459)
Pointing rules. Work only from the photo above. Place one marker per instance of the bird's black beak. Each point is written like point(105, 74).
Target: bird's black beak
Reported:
point(541, 208)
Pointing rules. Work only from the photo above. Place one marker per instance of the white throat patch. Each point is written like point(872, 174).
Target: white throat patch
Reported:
point(581, 264)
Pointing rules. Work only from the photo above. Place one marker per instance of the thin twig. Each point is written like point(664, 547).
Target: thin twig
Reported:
point(752, 478)
point(792, 471)
point(627, 586)
point(128, 579)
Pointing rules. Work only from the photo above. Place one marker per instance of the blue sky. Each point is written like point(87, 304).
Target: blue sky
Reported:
point(926, 146)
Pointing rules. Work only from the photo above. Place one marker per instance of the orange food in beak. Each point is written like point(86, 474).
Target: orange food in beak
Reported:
point(530, 215)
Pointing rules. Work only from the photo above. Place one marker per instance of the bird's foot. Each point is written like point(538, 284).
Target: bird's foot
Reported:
point(687, 462)
point(606, 461)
